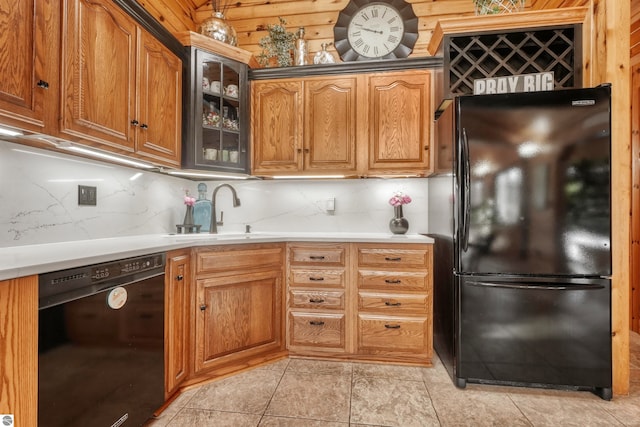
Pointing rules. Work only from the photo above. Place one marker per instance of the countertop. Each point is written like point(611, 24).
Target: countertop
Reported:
point(19, 261)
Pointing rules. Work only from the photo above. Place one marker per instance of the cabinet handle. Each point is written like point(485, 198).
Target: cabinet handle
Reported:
point(203, 307)
point(306, 150)
point(392, 326)
point(144, 126)
point(392, 259)
point(43, 84)
point(392, 281)
point(316, 257)
point(134, 122)
point(299, 150)
point(426, 148)
point(179, 277)
point(316, 279)
point(392, 304)
point(316, 323)
point(316, 300)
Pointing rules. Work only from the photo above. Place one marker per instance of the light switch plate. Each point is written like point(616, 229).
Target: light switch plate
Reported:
point(87, 195)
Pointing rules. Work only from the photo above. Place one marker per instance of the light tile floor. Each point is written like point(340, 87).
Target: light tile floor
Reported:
point(312, 393)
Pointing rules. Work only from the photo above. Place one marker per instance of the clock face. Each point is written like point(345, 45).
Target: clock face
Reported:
point(375, 30)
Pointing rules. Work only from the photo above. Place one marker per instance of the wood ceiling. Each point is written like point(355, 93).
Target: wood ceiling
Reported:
point(317, 16)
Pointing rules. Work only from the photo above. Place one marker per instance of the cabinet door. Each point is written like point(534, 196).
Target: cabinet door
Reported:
point(237, 315)
point(28, 60)
point(159, 101)
point(330, 127)
point(98, 73)
point(276, 120)
point(399, 122)
point(177, 284)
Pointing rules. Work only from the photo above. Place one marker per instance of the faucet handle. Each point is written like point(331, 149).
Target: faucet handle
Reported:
point(221, 222)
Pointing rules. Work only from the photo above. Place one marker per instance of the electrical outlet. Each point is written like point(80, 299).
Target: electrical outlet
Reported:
point(87, 195)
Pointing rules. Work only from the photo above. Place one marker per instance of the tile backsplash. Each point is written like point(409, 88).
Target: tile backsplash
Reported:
point(39, 199)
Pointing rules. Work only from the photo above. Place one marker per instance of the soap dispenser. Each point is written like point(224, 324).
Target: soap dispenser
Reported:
point(202, 209)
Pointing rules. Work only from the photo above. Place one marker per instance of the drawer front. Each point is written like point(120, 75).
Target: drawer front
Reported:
point(317, 255)
point(393, 334)
point(317, 278)
point(317, 330)
point(393, 281)
point(211, 261)
point(317, 299)
point(392, 258)
point(393, 303)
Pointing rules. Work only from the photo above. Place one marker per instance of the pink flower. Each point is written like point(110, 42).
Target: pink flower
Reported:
point(399, 199)
point(188, 200)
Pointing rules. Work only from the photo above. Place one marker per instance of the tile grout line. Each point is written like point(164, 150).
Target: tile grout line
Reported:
point(264, 412)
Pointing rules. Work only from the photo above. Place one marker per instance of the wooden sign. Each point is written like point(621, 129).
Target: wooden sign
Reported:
point(535, 82)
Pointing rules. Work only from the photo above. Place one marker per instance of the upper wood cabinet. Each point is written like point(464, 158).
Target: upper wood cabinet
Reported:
point(28, 63)
point(121, 88)
point(399, 123)
point(351, 125)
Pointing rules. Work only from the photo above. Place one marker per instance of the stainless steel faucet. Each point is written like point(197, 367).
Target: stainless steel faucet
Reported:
point(214, 219)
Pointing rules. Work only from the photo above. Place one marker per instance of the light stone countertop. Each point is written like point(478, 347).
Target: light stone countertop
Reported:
point(20, 261)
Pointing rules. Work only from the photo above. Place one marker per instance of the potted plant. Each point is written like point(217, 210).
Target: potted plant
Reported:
point(490, 7)
point(277, 46)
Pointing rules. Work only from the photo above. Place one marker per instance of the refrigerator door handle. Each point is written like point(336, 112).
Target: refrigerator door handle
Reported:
point(466, 177)
point(537, 285)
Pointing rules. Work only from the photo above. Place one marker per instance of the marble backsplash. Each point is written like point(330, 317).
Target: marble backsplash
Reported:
point(39, 199)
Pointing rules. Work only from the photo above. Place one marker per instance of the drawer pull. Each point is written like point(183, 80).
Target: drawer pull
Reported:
point(316, 279)
point(392, 304)
point(316, 323)
point(393, 259)
point(316, 300)
point(393, 281)
point(392, 326)
point(316, 257)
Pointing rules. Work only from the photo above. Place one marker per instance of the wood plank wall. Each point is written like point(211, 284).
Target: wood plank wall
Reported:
point(635, 172)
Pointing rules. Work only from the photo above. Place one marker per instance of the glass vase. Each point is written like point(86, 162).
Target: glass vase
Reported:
point(398, 224)
point(217, 27)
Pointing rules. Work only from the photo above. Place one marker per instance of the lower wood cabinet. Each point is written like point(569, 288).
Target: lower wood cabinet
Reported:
point(238, 306)
point(360, 301)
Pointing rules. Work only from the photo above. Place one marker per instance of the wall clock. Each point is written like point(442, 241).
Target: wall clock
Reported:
point(375, 29)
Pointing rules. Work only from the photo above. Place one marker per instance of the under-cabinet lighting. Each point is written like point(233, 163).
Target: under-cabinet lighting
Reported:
point(106, 156)
point(307, 176)
point(136, 176)
point(9, 132)
point(207, 175)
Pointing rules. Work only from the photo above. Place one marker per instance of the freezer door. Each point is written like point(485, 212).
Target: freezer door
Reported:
point(533, 183)
point(535, 332)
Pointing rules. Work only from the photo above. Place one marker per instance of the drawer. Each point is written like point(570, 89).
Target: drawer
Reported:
point(317, 299)
point(393, 334)
point(317, 278)
point(394, 281)
point(228, 258)
point(317, 330)
point(317, 255)
point(393, 303)
point(393, 257)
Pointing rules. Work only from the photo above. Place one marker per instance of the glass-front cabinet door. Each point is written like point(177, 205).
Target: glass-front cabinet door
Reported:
point(218, 137)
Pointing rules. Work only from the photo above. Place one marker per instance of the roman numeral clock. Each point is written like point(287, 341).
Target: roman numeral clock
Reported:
point(380, 29)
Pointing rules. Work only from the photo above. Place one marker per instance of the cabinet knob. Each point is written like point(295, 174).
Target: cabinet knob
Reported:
point(43, 84)
point(134, 122)
point(306, 150)
point(144, 126)
point(179, 277)
point(299, 150)
point(203, 307)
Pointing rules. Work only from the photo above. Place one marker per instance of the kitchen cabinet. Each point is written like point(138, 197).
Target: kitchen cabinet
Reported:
point(443, 141)
point(121, 88)
point(19, 349)
point(238, 306)
point(360, 301)
point(394, 302)
point(29, 58)
point(350, 125)
point(177, 314)
point(317, 295)
point(305, 125)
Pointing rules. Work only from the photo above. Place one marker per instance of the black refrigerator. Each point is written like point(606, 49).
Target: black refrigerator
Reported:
point(522, 289)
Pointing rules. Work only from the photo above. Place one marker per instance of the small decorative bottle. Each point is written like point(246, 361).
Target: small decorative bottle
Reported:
point(202, 209)
point(324, 56)
point(300, 51)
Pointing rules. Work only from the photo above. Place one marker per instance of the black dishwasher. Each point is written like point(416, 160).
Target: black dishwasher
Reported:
point(101, 343)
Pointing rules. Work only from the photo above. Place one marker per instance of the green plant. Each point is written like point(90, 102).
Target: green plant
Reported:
point(490, 7)
point(278, 44)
